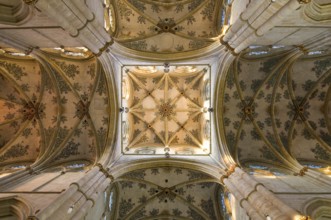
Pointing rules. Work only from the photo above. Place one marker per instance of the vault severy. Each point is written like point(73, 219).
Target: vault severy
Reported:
point(166, 110)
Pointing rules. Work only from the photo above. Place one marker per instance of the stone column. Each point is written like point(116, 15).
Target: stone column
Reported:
point(251, 212)
point(242, 22)
point(80, 197)
point(76, 18)
point(93, 194)
point(258, 201)
point(259, 17)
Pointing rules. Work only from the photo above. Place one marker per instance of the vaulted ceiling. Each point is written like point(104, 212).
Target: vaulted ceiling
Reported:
point(54, 113)
point(276, 108)
point(166, 26)
point(58, 103)
point(166, 110)
point(55, 105)
point(166, 193)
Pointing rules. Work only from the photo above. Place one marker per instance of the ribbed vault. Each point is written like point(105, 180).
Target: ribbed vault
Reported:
point(165, 110)
point(166, 193)
point(166, 26)
point(53, 113)
point(276, 109)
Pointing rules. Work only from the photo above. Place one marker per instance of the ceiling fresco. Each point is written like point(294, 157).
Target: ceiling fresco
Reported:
point(276, 109)
point(166, 26)
point(60, 110)
point(166, 110)
point(166, 193)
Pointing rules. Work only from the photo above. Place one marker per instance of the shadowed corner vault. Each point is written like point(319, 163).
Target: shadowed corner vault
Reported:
point(166, 110)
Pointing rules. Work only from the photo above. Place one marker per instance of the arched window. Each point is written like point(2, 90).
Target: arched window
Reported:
point(225, 203)
point(110, 198)
point(320, 167)
point(109, 17)
point(7, 170)
point(265, 170)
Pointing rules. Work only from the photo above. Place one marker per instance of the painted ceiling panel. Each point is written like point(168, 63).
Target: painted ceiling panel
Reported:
point(278, 111)
point(166, 192)
point(81, 136)
point(100, 111)
point(20, 95)
point(166, 27)
point(312, 94)
point(165, 110)
point(49, 120)
point(61, 110)
point(9, 92)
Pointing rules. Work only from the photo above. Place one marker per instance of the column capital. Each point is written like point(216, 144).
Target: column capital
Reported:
point(229, 171)
point(105, 172)
point(228, 47)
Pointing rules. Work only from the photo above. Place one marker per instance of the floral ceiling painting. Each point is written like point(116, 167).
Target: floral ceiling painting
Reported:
point(276, 109)
point(60, 110)
point(167, 26)
point(166, 110)
point(166, 193)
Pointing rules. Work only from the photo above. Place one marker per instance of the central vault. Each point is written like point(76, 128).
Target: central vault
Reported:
point(165, 110)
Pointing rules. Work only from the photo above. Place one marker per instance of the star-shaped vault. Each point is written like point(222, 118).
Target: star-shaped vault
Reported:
point(166, 110)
